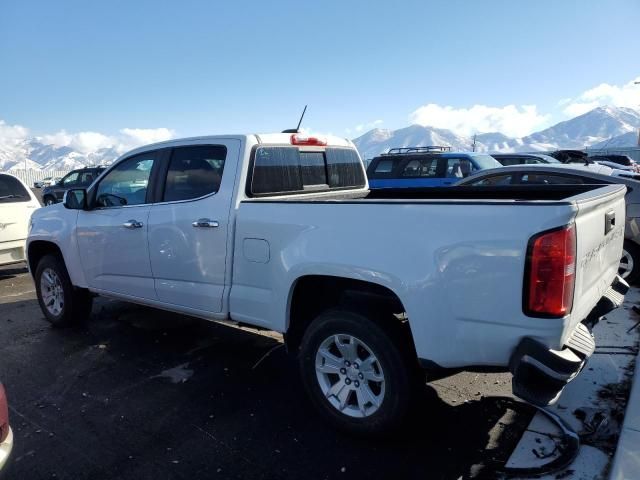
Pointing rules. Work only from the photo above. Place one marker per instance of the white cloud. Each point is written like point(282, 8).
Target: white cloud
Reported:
point(627, 95)
point(87, 142)
point(12, 135)
point(511, 120)
point(135, 137)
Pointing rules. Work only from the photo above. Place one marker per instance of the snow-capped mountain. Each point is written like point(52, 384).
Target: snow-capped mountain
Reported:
point(379, 140)
point(40, 156)
point(588, 129)
point(594, 128)
point(603, 126)
point(629, 139)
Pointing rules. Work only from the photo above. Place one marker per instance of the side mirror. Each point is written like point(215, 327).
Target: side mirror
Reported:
point(75, 199)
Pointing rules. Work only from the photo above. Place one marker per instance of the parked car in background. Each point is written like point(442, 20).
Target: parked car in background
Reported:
point(572, 174)
point(80, 178)
point(17, 203)
point(6, 435)
point(569, 156)
point(507, 159)
point(46, 181)
point(424, 167)
point(621, 162)
point(250, 228)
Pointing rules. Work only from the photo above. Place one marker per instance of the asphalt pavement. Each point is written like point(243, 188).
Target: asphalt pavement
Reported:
point(138, 393)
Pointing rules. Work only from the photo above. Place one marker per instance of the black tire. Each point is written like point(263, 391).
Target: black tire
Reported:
point(77, 302)
point(48, 200)
point(633, 252)
point(386, 344)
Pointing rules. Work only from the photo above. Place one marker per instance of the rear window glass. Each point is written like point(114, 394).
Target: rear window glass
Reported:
point(11, 190)
point(313, 168)
point(280, 170)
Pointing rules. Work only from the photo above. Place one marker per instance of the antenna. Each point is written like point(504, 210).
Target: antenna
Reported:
point(297, 129)
point(301, 117)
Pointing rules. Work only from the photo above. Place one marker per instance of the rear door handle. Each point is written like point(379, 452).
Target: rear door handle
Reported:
point(132, 224)
point(205, 223)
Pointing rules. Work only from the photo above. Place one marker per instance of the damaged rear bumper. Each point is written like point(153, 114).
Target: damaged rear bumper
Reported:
point(540, 373)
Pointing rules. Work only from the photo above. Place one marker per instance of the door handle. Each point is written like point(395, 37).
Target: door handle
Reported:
point(205, 223)
point(132, 224)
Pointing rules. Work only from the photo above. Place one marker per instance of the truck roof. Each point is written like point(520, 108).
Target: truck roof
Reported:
point(260, 138)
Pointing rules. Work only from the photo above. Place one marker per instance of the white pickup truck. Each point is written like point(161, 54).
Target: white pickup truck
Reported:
point(370, 289)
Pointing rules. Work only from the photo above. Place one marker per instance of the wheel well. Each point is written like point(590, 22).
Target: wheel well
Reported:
point(39, 249)
point(316, 293)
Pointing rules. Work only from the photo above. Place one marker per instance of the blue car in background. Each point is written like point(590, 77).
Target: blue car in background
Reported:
point(414, 167)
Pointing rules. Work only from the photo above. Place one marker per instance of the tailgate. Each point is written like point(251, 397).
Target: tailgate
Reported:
point(599, 222)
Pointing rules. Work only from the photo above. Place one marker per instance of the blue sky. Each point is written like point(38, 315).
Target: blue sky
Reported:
point(196, 67)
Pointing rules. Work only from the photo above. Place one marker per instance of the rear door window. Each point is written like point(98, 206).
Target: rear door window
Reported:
point(281, 170)
point(549, 179)
point(458, 167)
point(86, 178)
point(11, 190)
point(493, 181)
point(70, 180)
point(194, 172)
point(424, 167)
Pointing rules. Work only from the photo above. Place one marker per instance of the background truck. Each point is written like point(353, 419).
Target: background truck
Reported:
point(370, 289)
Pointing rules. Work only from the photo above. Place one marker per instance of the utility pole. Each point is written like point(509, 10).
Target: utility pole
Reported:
point(473, 145)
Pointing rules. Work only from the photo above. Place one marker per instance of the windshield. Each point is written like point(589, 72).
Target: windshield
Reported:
point(486, 161)
point(548, 158)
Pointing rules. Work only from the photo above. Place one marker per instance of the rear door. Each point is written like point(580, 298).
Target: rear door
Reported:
point(189, 225)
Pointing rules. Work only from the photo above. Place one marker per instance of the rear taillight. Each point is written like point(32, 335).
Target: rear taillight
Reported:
point(550, 273)
point(4, 415)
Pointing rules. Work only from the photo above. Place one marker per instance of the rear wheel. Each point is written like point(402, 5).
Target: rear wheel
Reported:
point(355, 373)
point(61, 303)
point(629, 268)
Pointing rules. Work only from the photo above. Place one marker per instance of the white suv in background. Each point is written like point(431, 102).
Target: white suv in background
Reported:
point(17, 203)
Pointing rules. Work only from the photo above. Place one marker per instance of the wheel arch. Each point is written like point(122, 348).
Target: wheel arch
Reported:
point(37, 249)
point(309, 295)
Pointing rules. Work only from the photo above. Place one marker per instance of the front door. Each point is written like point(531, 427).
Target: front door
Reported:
point(189, 226)
point(113, 235)
point(68, 181)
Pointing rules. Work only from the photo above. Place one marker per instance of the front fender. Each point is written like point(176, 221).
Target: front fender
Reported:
point(57, 225)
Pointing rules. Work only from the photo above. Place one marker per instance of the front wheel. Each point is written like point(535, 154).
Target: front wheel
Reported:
point(355, 373)
point(61, 303)
point(629, 268)
point(49, 201)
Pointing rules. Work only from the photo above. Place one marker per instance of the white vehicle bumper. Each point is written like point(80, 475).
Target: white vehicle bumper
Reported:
point(5, 448)
point(12, 252)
